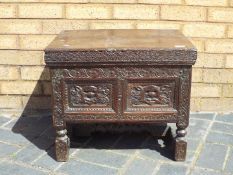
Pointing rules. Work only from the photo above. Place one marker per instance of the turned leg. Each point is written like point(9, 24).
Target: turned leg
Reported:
point(62, 145)
point(180, 144)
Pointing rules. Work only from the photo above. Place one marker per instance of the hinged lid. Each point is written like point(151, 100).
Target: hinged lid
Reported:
point(125, 46)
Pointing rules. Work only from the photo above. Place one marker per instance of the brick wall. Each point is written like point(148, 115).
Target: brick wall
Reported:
point(27, 26)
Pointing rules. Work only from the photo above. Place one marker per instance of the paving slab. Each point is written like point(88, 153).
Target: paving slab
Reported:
point(7, 168)
point(212, 156)
point(27, 147)
point(102, 157)
point(83, 168)
point(222, 127)
point(229, 164)
point(206, 116)
point(140, 167)
point(228, 118)
point(166, 169)
point(221, 138)
point(198, 171)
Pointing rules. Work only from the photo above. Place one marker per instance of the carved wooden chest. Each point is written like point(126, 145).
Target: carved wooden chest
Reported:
point(120, 76)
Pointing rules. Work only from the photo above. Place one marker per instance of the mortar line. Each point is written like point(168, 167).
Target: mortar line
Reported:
point(72, 154)
point(200, 147)
point(226, 158)
point(3, 125)
point(98, 164)
point(131, 158)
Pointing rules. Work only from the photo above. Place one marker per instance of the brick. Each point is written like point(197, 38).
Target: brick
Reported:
point(180, 13)
point(88, 11)
point(35, 42)
point(205, 60)
point(56, 26)
point(15, 57)
point(157, 25)
point(219, 46)
point(218, 75)
point(230, 31)
point(66, 1)
point(227, 90)
point(195, 104)
point(112, 25)
point(229, 61)
point(34, 73)
point(217, 104)
point(135, 12)
point(9, 73)
point(204, 30)
point(197, 75)
point(10, 101)
point(20, 27)
point(113, 1)
point(47, 88)
point(20, 87)
point(198, 43)
point(57, 1)
point(212, 156)
point(206, 90)
point(207, 2)
point(7, 11)
point(160, 1)
point(40, 11)
point(8, 42)
point(220, 14)
point(36, 102)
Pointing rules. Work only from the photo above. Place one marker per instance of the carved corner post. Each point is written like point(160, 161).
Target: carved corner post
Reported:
point(62, 142)
point(183, 115)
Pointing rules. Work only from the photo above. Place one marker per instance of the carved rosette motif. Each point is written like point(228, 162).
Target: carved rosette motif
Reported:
point(150, 95)
point(88, 95)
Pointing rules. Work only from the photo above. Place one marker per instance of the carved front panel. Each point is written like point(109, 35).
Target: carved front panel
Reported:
point(123, 93)
point(151, 95)
point(89, 96)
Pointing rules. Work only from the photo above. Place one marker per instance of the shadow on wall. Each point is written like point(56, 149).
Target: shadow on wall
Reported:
point(35, 124)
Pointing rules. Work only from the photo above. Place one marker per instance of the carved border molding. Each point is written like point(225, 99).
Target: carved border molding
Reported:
point(172, 57)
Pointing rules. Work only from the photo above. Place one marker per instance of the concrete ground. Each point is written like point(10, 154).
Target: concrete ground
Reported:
point(26, 148)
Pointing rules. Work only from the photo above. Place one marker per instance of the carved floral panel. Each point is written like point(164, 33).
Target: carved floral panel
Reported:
point(151, 96)
point(90, 95)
